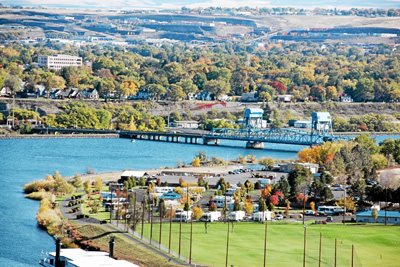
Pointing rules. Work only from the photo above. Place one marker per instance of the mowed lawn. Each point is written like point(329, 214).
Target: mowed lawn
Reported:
point(374, 245)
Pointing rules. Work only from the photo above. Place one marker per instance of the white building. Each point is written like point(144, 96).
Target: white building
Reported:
point(285, 98)
point(59, 61)
point(185, 124)
point(288, 167)
point(76, 257)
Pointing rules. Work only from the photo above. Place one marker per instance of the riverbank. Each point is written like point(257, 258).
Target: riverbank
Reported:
point(58, 136)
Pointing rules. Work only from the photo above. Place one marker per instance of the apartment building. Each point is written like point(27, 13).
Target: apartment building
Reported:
point(59, 61)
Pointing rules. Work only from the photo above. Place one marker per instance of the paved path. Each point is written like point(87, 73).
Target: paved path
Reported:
point(145, 245)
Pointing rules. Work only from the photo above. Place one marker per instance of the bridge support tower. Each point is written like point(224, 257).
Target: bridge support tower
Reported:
point(257, 145)
point(210, 140)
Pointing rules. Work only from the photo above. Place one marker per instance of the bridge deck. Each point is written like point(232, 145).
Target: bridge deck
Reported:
point(283, 136)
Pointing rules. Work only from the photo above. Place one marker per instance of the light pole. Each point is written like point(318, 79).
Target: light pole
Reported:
point(344, 206)
point(305, 239)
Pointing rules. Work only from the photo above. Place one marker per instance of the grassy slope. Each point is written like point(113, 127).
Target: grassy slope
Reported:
point(285, 244)
point(124, 248)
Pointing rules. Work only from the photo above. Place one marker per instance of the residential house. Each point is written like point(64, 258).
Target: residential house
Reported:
point(285, 98)
point(74, 93)
point(143, 94)
point(191, 96)
point(345, 98)
point(55, 93)
point(225, 98)
point(204, 96)
point(40, 90)
point(90, 93)
point(249, 97)
point(366, 216)
point(6, 92)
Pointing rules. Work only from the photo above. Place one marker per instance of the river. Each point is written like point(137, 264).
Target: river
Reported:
point(26, 160)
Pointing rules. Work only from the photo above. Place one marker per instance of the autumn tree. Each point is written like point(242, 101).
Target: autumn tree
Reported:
point(129, 87)
point(268, 163)
point(98, 185)
point(248, 205)
point(374, 214)
point(77, 181)
point(196, 162)
point(197, 212)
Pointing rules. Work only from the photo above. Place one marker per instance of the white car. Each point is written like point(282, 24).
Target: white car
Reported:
point(279, 217)
point(310, 212)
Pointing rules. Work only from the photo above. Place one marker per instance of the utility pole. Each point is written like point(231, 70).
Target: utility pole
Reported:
point(265, 244)
point(151, 224)
point(180, 236)
point(320, 247)
point(335, 252)
point(344, 207)
point(143, 207)
point(191, 240)
point(134, 214)
point(227, 246)
point(161, 212)
point(170, 227)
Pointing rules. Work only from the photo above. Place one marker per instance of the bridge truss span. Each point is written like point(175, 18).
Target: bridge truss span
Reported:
point(286, 136)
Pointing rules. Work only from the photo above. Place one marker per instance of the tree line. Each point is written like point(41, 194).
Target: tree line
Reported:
point(305, 70)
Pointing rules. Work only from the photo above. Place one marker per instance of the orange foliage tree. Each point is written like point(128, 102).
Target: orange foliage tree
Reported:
point(266, 191)
point(322, 154)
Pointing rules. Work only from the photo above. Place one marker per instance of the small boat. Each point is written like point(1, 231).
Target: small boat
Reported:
point(133, 141)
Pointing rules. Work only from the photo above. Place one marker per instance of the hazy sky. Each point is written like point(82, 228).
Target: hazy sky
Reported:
point(117, 4)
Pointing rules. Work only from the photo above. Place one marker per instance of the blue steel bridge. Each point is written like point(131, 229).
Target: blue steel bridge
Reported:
point(282, 136)
point(251, 131)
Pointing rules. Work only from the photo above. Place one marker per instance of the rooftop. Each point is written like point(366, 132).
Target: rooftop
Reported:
point(381, 213)
point(79, 257)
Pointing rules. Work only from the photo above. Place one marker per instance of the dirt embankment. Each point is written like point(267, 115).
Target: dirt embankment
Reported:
point(301, 110)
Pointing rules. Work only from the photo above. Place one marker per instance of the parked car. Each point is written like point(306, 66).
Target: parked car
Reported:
point(279, 217)
point(329, 219)
point(310, 212)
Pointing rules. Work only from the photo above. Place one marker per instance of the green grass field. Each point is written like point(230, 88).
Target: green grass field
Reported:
point(374, 245)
